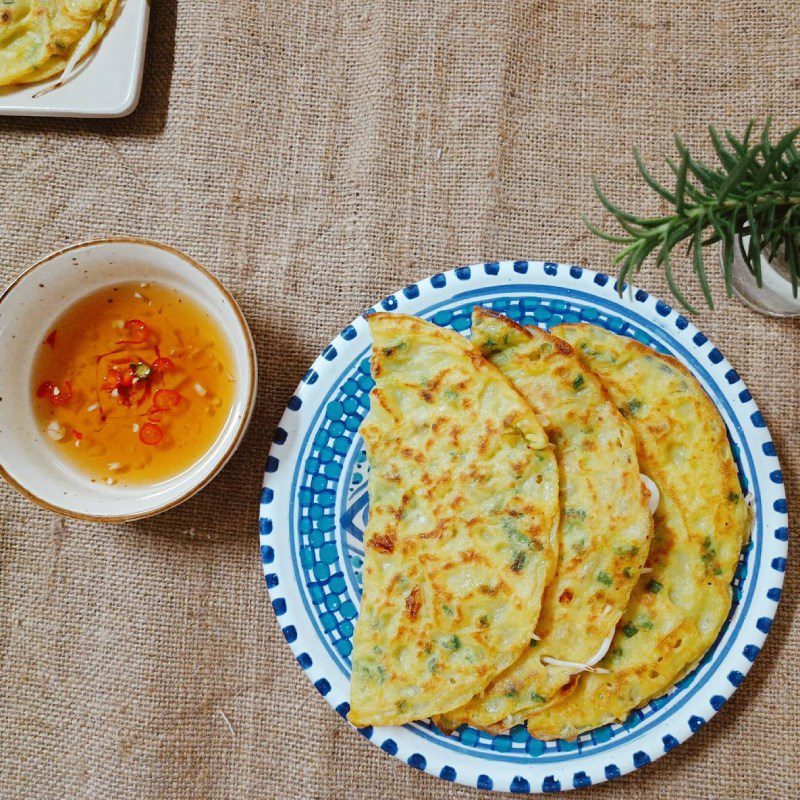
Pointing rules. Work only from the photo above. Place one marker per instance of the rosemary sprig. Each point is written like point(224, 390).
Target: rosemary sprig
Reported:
point(755, 192)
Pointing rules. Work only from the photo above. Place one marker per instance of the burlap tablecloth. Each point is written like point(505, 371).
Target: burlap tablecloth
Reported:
point(318, 155)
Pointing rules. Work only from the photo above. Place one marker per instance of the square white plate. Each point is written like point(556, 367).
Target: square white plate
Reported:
point(107, 83)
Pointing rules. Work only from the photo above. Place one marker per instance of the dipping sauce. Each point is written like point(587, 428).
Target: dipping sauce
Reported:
point(133, 384)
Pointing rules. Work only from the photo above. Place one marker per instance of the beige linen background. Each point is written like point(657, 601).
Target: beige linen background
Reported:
point(318, 155)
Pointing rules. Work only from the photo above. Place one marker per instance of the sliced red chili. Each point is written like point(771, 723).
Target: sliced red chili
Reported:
point(77, 434)
point(153, 414)
point(137, 332)
point(64, 394)
point(150, 433)
point(127, 376)
point(144, 394)
point(57, 395)
point(51, 338)
point(162, 364)
point(166, 399)
point(111, 380)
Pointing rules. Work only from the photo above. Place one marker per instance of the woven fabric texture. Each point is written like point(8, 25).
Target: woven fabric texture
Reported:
point(317, 156)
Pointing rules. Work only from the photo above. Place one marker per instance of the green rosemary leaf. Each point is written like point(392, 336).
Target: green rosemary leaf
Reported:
point(726, 158)
point(650, 180)
point(772, 232)
point(773, 155)
point(740, 148)
point(622, 274)
point(738, 172)
point(754, 249)
point(727, 253)
point(765, 143)
point(697, 196)
point(636, 233)
point(680, 187)
point(631, 265)
point(749, 130)
point(663, 258)
point(677, 233)
point(792, 160)
point(719, 234)
point(626, 220)
point(638, 258)
point(699, 266)
point(704, 174)
point(603, 235)
point(617, 212)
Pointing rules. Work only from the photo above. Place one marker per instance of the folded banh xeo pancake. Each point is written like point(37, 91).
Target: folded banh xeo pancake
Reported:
point(461, 537)
point(606, 524)
point(702, 521)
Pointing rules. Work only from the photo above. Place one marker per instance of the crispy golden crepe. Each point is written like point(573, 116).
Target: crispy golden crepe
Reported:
point(606, 524)
point(460, 541)
point(38, 37)
point(701, 524)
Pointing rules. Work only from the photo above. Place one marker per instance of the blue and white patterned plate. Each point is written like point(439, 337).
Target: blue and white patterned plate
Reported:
point(314, 508)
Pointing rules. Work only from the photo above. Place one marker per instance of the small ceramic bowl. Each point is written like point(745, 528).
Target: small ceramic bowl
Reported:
point(28, 309)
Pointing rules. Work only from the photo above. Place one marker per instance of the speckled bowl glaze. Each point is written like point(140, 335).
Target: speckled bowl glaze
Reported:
point(28, 309)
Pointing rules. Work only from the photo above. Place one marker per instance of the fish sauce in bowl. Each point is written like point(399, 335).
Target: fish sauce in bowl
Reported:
point(133, 384)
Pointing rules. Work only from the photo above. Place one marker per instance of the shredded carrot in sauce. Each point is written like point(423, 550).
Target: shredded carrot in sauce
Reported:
point(139, 378)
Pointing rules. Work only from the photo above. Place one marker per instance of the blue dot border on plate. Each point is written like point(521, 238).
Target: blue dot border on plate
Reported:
point(314, 507)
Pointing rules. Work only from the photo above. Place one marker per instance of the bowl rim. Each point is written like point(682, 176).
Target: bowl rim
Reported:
point(252, 373)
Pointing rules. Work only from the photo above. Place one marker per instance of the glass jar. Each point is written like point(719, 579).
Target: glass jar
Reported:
point(774, 298)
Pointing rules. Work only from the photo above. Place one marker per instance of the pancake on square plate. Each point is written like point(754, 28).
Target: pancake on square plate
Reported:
point(701, 524)
point(606, 524)
point(461, 538)
point(39, 38)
